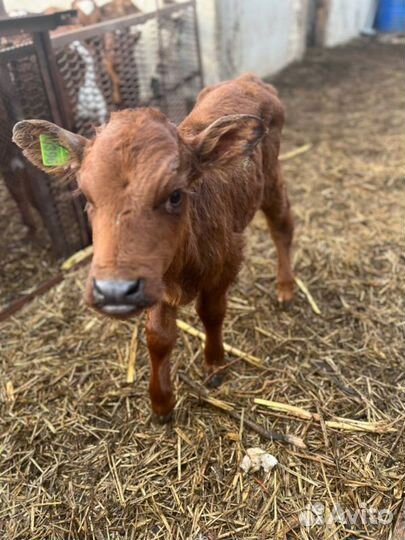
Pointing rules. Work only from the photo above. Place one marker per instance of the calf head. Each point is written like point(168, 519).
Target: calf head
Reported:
point(137, 175)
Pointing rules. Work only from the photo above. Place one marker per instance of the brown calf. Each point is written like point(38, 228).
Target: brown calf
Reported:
point(168, 208)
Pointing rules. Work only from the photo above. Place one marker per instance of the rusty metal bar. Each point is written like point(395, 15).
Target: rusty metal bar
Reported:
point(41, 54)
point(44, 46)
point(16, 53)
point(35, 23)
point(115, 24)
point(17, 305)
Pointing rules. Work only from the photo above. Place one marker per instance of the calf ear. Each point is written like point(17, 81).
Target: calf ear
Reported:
point(48, 146)
point(229, 136)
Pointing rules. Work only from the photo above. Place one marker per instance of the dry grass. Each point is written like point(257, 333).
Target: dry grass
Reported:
point(80, 457)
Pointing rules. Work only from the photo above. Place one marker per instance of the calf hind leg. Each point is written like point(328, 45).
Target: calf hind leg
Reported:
point(276, 208)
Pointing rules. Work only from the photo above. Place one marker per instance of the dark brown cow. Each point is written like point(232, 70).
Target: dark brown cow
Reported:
point(169, 206)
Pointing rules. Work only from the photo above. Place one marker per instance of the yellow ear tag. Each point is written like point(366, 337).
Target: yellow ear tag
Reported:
point(53, 154)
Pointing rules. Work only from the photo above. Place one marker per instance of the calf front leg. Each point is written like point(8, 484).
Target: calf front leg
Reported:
point(161, 337)
point(211, 308)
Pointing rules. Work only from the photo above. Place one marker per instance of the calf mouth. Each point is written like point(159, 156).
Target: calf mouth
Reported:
point(122, 311)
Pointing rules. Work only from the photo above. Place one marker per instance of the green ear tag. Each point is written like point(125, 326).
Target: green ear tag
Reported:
point(53, 154)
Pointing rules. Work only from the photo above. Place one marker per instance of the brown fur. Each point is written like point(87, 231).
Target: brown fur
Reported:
point(227, 167)
point(118, 8)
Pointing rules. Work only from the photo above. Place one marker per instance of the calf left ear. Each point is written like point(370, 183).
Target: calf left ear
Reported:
point(229, 136)
point(48, 146)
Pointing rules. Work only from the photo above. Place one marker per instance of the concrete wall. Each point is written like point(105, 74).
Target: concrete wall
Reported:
point(208, 26)
point(262, 36)
point(346, 19)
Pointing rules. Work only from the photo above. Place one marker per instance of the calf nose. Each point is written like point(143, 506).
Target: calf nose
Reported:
point(117, 292)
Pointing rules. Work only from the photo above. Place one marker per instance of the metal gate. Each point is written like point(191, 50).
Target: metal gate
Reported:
point(77, 78)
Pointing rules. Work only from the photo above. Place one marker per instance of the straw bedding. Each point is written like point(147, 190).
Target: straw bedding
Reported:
point(80, 457)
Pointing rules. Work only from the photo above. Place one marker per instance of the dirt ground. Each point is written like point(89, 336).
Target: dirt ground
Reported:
point(79, 455)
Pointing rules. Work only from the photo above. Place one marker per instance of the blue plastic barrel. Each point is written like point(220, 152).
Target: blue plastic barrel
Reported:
point(391, 16)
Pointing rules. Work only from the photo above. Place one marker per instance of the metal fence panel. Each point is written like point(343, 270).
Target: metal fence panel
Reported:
point(79, 77)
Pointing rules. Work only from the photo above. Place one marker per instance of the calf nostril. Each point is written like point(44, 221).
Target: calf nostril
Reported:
point(98, 292)
point(133, 287)
point(97, 288)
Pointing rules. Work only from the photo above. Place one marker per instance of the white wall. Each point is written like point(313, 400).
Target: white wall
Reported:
point(346, 19)
point(208, 22)
point(259, 35)
point(262, 36)
point(35, 6)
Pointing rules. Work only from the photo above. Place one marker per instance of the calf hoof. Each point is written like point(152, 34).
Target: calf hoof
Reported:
point(162, 419)
point(215, 379)
point(285, 292)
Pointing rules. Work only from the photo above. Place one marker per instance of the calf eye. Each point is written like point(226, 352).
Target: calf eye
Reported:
point(174, 200)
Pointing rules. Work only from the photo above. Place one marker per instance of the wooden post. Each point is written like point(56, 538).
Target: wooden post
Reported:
point(3, 12)
point(322, 14)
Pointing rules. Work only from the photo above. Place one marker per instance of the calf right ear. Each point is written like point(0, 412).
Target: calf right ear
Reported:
point(48, 146)
point(229, 136)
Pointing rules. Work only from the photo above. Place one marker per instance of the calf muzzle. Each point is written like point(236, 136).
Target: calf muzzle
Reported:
point(119, 297)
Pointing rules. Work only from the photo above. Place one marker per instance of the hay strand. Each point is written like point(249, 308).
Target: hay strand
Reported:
point(77, 258)
point(308, 295)
point(346, 424)
point(294, 153)
point(132, 356)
